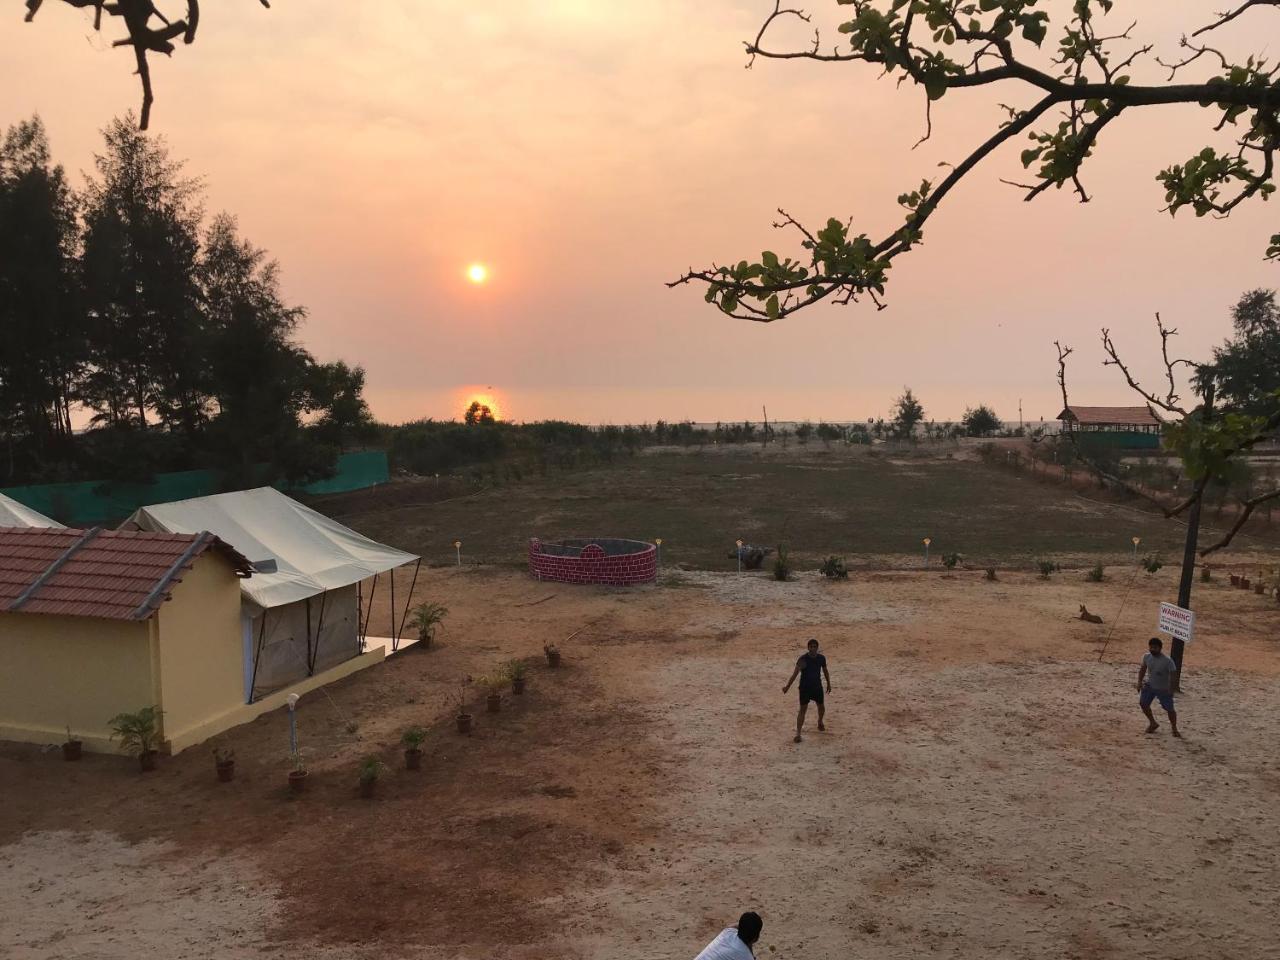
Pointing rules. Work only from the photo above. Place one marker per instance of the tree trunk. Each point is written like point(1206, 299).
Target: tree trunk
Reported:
point(1189, 553)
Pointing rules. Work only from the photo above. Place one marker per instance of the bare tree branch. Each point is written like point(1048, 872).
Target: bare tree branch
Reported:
point(137, 15)
point(1246, 511)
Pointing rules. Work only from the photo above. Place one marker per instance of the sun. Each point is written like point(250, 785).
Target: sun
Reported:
point(478, 273)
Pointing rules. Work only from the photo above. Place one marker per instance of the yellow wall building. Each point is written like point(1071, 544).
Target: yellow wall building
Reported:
point(95, 623)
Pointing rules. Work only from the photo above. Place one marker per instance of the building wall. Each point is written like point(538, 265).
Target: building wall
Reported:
point(71, 671)
point(201, 648)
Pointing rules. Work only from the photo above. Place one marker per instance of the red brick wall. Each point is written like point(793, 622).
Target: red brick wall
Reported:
point(594, 567)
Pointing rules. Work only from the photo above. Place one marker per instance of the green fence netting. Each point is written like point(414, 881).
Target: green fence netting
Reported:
point(92, 503)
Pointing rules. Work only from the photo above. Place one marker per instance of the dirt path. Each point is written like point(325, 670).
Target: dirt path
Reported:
point(984, 790)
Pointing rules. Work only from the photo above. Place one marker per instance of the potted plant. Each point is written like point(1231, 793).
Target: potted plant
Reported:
point(71, 747)
point(951, 560)
point(991, 574)
point(426, 617)
point(370, 770)
point(463, 717)
point(298, 775)
point(139, 734)
point(1205, 574)
point(224, 762)
point(516, 671)
point(412, 740)
point(1235, 579)
point(1245, 582)
point(553, 654)
point(494, 684)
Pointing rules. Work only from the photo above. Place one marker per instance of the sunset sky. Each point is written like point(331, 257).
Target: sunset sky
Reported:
point(586, 151)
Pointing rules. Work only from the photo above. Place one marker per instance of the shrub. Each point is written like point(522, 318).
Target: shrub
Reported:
point(833, 568)
point(139, 732)
point(1047, 568)
point(1096, 574)
point(516, 669)
point(991, 573)
point(413, 738)
point(496, 681)
point(950, 560)
point(371, 769)
point(1152, 563)
point(781, 567)
point(426, 617)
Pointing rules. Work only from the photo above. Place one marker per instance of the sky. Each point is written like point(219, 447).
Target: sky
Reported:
point(588, 151)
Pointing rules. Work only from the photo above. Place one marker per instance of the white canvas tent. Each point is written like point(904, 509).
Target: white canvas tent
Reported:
point(14, 514)
point(302, 609)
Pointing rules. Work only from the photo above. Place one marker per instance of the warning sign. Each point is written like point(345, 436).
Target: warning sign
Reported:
point(1177, 621)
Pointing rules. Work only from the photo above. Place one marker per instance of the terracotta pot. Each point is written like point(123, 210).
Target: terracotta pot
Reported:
point(1205, 577)
point(1235, 579)
point(517, 686)
point(493, 702)
point(553, 659)
point(464, 722)
point(71, 750)
point(1245, 583)
point(297, 780)
point(1259, 588)
point(413, 759)
point(226, 770)
point(147, 760)
point(367, 787)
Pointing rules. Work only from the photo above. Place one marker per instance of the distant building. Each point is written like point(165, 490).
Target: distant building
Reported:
point(1126, 427)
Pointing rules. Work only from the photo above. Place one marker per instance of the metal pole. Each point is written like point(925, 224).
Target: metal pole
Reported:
point(1189, 549)
point(293, 725)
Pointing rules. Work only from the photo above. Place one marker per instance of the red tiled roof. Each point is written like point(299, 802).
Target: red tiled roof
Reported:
point(1113, 416)
point(116, 574)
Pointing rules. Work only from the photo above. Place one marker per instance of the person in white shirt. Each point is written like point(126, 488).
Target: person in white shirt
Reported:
point(735, 943)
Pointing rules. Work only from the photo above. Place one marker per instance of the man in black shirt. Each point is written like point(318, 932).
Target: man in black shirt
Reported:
point(810, 668)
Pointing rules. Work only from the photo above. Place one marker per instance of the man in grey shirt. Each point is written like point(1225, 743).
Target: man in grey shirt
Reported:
point(1156, 679)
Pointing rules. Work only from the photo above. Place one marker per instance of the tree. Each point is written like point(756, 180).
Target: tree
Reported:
point(1236, 413)
point(141, 240)
point(907, 413)
point(338, 390)
point(943, 46)
point(478, 413)
point(41, 352)
point(1246, 368)
point(137, 16)
point(262, 382)
point(980, 421)
point(804, 431)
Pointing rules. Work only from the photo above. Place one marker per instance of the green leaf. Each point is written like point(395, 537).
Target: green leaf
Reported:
point(771, 307)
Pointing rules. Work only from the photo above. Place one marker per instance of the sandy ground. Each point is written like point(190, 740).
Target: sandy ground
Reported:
point(984, 788)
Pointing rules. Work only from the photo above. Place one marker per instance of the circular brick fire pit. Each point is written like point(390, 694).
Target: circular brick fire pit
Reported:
point(607, 560)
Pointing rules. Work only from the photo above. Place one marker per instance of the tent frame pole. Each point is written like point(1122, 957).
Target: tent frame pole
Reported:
point(364, 631)
point(395, 634)
point(313, 650)
point(409, 599)
point(253, 677)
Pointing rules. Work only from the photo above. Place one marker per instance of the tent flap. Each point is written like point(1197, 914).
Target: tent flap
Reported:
point(311, 552)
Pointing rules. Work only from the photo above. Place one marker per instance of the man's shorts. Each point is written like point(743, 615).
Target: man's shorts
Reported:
point(1164, 696)
point(808, 695)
